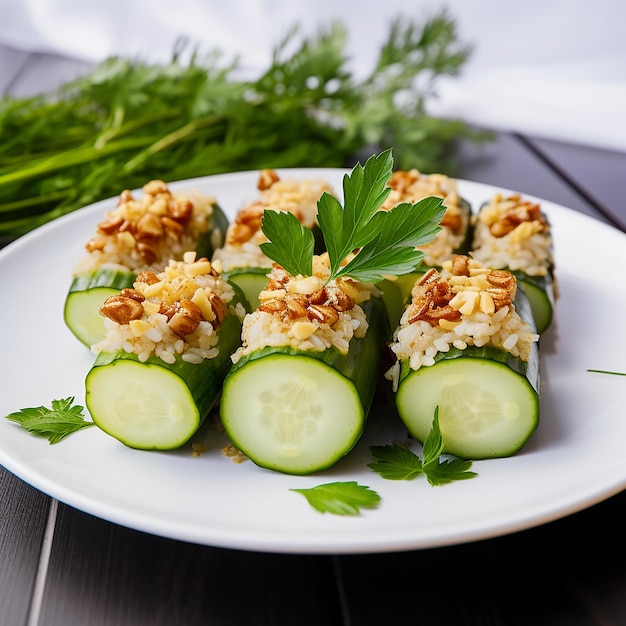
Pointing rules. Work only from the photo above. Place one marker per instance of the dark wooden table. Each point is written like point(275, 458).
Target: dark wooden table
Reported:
point(62, 567)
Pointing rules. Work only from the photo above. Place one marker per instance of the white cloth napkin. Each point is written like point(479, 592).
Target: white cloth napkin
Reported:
point(550, 68)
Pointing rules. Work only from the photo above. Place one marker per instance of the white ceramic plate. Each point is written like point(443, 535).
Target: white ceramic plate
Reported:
point(575, 459)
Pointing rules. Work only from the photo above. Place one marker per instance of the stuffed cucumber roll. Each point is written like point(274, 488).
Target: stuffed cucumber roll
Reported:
point(241, 257)
point(467, 345)
point(513, 233)
point(298, 395)
point(167, 348)
point(140, 234)
point(455, 236)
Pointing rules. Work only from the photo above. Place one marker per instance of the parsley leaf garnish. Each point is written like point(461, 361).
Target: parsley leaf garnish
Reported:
point(384, 241)
point(340, 498)
point(350, 227)
point(396, 462)
point(290, 243)
point(55, 423)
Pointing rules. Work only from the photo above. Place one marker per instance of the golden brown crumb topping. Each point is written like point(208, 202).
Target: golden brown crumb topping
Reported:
point(463, 287)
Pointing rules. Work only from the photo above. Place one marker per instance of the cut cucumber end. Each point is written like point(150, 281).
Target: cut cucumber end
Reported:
point(293, 414)
point(540, 303)
point(486, 409)
point(144, 406)
point(251, 282)
point(82, 314)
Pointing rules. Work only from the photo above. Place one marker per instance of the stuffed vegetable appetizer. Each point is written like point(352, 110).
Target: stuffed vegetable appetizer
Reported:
point(142, 233)
point(467, 346)
point(241, 256)
point(513, 233)
point(167, 348)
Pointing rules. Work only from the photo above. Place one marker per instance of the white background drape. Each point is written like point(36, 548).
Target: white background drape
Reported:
point(552, 68)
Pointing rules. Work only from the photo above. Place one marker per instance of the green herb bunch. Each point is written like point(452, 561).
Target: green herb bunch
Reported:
point(127, 121)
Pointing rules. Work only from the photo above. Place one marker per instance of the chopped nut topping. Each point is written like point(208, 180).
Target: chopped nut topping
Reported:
point(299, 298)
point(180, 210)
point(132, 293)
point(463, 288)
point(413, 186)
point(247, 223)
point(501, 278)
point(266, 179)
point(145, 232)
point(186, 319)
point(172, 314)
point(219, 308)
point(149, 226)
point(112, 225)
point(149, 278)
point(460, 265)
point(323, 314)
point(505, 214)
point(122, 309)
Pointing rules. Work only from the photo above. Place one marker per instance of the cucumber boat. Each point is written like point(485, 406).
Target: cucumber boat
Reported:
point(467, 346)
point(298, 395)
point(455, 236)
point(141, 233)
point(160, 367)
point(241, 258)
point(514, 234)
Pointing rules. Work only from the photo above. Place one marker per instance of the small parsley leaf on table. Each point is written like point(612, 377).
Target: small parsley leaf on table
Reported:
point(396, 462)
point(340, 498)
point(55, 423)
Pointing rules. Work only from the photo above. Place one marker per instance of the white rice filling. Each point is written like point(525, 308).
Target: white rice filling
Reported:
point(120, 248)
point(151, 336)
point(262, 329)
point(295, 196)
point(526, 247)
point(419, 342)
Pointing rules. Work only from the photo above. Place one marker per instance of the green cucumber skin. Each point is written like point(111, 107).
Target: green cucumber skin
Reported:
point(540, 292)
point(251, 281)
point(363, 379)
point(204, 380)
point(527, 370)
point(366, 349)
point(215, 236)
point(103, 277)
point(107, 281)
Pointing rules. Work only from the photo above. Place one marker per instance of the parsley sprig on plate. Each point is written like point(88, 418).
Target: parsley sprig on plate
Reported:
point(55, 423)
point(340, 498)
point(396, 462)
